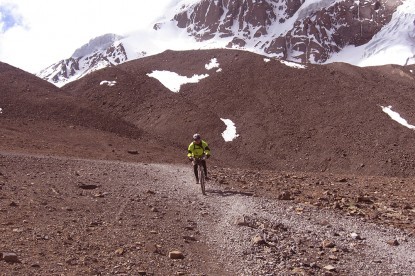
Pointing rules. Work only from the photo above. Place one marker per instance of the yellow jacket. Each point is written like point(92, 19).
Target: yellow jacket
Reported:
point(197, 150)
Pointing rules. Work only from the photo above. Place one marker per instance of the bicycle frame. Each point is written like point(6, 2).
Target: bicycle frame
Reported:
point(200, 172)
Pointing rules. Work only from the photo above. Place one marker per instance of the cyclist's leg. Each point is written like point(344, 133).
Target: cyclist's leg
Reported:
point(204, 167)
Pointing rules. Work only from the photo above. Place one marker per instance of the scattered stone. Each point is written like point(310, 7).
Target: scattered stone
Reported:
point(241, 221)
point(153, 232)
point(328, 244)
point(157, 249)
point(356, 236)
point(333, 257)
point(132, 151)
point(364, 199)
point(36, 265)
point(189, 238)
point(258, 240)
point(223, 181)
point(329, 268)
point(151, 192)
point(299, 210)
point(142, 272)
point(377, 261)
point(71, 261)
point(13, 204)
point(393, 242)
point(101, 195)
point(298, 271)
point(154, 209)
point(176, 255)
point(285, 196)
point(9, 257)
point(119, 251)
point(87, 186)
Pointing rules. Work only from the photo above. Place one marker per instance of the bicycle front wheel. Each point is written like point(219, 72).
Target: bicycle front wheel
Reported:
point(202, 180)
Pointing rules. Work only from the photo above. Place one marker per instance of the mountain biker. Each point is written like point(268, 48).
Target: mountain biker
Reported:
point(197, 149)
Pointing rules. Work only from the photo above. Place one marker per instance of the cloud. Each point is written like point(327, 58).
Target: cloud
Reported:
point(9, 17)
point(39, 33)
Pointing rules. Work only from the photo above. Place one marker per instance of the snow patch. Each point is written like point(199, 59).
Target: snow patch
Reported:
point(219, 70)
point(230, 133)
point(396, 117)
point(267, 59)
point(109, 83)
point(293, 64)
point(213, 64)
point(173, 81)
point(1, 110)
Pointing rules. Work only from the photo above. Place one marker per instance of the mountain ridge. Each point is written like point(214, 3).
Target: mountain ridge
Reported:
point(295, 30)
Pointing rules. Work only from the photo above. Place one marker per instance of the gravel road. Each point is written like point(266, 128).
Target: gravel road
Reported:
point(64, 216)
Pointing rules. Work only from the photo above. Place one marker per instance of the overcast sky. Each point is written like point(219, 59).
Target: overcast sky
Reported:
point(37, 33)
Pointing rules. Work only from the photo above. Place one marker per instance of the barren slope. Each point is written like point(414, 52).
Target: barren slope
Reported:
point(37, 117)
point(323, 118)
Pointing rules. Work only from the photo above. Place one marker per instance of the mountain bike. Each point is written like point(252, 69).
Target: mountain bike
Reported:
point(200, 173)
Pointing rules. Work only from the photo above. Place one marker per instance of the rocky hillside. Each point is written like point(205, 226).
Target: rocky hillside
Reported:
point(26, 97)
point(323, 118)
point(37, 117)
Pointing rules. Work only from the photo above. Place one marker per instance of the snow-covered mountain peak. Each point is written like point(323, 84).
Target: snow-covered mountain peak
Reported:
point(96, 44)
point(393, 44)
point(360, 32)
point(397, 38)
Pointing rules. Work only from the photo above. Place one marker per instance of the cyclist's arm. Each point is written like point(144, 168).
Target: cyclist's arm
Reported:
point(206, 147)
point(190, 151)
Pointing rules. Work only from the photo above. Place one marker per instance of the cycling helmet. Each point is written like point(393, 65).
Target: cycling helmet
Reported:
point(196, 136)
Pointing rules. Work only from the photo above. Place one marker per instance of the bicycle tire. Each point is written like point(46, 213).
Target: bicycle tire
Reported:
point(202, 179)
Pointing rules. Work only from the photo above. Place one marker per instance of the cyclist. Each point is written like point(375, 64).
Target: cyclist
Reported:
point(198, 148)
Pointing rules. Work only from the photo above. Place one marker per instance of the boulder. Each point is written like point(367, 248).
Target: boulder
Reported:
point(176, 255)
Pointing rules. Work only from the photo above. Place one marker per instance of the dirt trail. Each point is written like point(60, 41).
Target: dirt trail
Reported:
point(77, 216)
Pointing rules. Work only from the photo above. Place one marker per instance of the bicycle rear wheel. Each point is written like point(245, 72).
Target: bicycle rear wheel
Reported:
point(202, 179)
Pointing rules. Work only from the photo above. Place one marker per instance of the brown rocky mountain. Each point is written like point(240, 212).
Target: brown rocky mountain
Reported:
point(24, 96)
point(37, 116)
point(323, 118)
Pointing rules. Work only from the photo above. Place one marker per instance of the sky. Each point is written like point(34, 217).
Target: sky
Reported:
point(37, 33)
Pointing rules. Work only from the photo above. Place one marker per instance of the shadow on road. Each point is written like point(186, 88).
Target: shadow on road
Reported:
point(229, 193)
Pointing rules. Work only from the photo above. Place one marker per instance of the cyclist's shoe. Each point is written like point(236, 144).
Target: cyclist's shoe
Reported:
point(197, 181)
point(207, 178)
